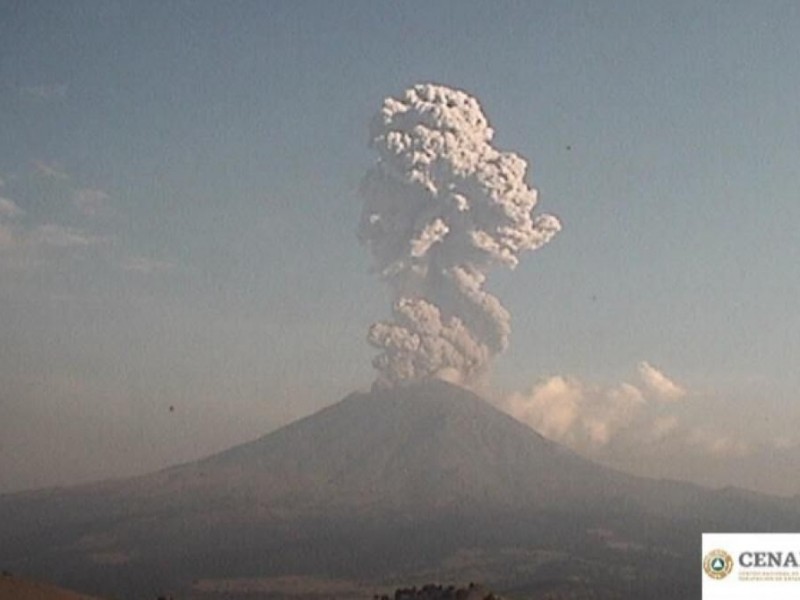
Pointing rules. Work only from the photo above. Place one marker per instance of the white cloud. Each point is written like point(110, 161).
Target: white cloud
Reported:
point(552, 407)
point(639, 428)
point(580, 415)
point(90, 201)
point(2, 182)
point(658, 383)
point(605, 420)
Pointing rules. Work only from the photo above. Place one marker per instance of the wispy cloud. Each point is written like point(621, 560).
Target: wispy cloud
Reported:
point(24, 249)
point(9, 209)
point(90, 202)
point(7, 238)
point(720, 445)
point(44, 92)
point(59, 236)
point(44, 236)
point(52, 170)
point(144, 265)
point(16, 236)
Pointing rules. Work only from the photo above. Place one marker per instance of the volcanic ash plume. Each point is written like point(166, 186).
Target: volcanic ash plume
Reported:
point(441, 206)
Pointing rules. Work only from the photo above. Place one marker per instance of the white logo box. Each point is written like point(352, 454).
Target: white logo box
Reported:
point(764, 565)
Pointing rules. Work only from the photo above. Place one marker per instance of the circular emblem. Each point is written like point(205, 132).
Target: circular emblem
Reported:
point(717, 564)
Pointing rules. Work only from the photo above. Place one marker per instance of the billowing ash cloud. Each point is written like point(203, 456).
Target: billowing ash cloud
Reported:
point(442, 206)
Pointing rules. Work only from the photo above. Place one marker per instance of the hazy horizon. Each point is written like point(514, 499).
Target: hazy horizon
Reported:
point(179, 202)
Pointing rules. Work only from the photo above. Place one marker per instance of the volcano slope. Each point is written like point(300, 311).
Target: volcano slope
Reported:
point(421, 483)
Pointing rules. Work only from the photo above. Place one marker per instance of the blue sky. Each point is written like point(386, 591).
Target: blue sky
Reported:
point(181, 199)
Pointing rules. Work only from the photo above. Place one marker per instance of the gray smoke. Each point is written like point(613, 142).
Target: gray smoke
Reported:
point(442, 206)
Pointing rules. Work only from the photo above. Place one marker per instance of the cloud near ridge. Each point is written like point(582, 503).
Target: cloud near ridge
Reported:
point(637, 428)
point(580, 415)
point(611, 422)
point(658, 383)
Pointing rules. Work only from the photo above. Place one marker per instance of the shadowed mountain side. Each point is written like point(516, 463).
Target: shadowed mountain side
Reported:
point(386, 483)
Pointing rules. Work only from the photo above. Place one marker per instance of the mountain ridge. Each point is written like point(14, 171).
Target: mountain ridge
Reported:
point(386, 483)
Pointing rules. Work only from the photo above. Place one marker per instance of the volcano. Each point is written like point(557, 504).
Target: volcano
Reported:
point(394, 486)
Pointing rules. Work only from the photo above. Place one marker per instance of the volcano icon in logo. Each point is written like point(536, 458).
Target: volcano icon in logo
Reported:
point(717, 564)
